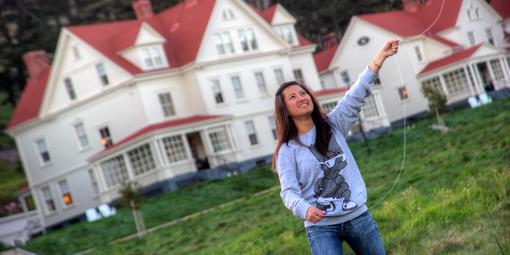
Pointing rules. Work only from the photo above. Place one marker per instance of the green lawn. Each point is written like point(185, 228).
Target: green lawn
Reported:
point(452, 198)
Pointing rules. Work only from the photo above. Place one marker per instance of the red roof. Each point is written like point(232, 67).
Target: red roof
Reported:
point(502, 7)
point(323, 58)
point(182, 26)
point(267, 13)
point(30, 100)
point(326, 92)
point(405, 23)
point(158, 126)
point(444, 41)
point(450, 59)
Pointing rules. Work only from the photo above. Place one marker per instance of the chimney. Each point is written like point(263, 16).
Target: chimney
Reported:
point(143, 9)
point(329, 40)
point(36, 62)
point(411, 5)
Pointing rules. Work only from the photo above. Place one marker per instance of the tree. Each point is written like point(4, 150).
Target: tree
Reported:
point(437, 104)
point(132, 198)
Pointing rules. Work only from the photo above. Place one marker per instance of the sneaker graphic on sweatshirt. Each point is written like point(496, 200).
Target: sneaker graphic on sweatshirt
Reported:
point(332, 191)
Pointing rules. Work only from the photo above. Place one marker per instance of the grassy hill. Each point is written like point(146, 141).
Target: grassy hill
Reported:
point(452, 198)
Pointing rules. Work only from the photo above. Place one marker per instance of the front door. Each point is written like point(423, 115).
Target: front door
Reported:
point(197, 151)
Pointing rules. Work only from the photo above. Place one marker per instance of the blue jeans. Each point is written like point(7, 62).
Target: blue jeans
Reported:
point(360, 233)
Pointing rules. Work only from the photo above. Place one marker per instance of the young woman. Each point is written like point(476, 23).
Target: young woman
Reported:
point(320, 181)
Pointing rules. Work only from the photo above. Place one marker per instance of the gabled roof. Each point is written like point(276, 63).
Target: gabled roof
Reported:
point(456, 57)
point(406, 23)
point(502, 7)
point(268, 13)
point(323, 58)
point(155, 127)
point(31, 99)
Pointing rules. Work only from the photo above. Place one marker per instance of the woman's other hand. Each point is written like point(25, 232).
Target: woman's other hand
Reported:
point(314, 214)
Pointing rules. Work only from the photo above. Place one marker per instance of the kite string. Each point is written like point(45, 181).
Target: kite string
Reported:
point(402, 164)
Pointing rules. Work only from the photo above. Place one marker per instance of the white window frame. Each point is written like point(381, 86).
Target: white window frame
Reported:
point(45, 200)
point(141, 159)
point(101, 72)
point(471, 38)
point(93, 181)
point(279, 75)
point(117, 171)
point(327, 107)
point(223, 42)
point(217, 92)
point(152, 56)
point(174, 148)
point(490, 35)
point(298, 75)
point(247, 39)
point(237, 87)
point(219, 140)
point(252, 132)
point(42, 161)
point(108, 139)
point(346, 78)
point(403, 93)
point(371, 107)
point(272, 125)
point(418, 53)
point(63, 193)
point(81, 135)
point(261, 83)
point(168, 106)
point(71, 92)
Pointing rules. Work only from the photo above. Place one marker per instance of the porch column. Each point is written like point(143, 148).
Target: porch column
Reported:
point(22, 202)
point(189, 155)
point(476, 74)
point(129, 168)
point(101, 182)
point(506, 70)
point(157, 153)
point(491, 72)
point(443, 85)
point(468, 79)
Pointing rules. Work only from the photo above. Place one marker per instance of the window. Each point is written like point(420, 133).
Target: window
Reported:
point(70, 89)
point(49, 202)
point(298, 74)
point(471, 38)
point(496, 68)
point(345, 77)
point(102, 73)
point(473, 13)
point(238, 88)
point(456, 81)
point(165, 100)
point(174, 148)
point(418, 53)
point(490, 36)
point(216, 89)
point(272, 125)
point(83, 140)
point(228, 14)
point(370, 108)
point(76, 53)
point(252, 135)
point(114, 171)
point(67, 198)
point(223, 42)
point(278, 73)
point(43, 151)
point(261, 83)
point(93, 180)
point(328, 107)
point(247, 39)
point(434, 82)
point(152, 56)
point(403, 93)
point(286, 34)
point(106, 139)
point(219, 140)
point(141, 159)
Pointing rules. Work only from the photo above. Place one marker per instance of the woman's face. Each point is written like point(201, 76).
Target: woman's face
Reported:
point(297, 101)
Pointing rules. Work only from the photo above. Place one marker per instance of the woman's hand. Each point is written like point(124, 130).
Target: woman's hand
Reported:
point(314, 214)
point(389, 49)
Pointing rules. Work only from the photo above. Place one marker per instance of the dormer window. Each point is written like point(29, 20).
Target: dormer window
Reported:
point(247, 39)
point(223, 43)
point(76, 53)
point(473, 13)
point(228, 14)
point(287, 34)
point(152, 57)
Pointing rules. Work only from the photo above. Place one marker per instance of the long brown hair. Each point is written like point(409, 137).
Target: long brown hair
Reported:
point(286, 130)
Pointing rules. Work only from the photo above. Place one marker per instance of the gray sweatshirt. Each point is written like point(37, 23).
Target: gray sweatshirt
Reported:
point(330, 182)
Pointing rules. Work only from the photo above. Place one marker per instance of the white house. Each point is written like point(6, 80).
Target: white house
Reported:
point(503, 9)
point(454, 45)
point(154, 98)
